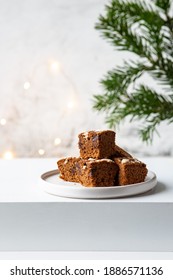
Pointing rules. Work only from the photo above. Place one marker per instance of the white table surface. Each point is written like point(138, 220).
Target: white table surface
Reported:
point(19, 181)
point(23, 234)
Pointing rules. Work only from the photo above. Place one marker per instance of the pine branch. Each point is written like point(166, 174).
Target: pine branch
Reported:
point(117, 25)
point(116, 84)
point(145, 104)
point(145, 29)
point(165, 5)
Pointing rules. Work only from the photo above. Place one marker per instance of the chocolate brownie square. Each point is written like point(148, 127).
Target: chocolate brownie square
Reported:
point(98, 173)
point(97, 144)
point(131, 171)
point(119, 152)
point(69, 169)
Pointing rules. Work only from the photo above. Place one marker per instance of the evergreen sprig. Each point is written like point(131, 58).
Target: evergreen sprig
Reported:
point(144, 28)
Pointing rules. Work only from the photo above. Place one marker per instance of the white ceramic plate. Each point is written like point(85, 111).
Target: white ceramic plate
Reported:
point(52, 184)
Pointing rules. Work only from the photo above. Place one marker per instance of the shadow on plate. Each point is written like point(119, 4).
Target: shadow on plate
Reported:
point(159, 188)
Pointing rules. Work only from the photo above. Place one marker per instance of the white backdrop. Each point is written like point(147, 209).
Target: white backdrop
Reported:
point(52, 59)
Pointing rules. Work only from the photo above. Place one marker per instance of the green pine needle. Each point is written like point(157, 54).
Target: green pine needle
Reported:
point(144, 28)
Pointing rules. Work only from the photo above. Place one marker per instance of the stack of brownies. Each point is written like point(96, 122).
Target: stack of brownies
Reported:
point(101, 162)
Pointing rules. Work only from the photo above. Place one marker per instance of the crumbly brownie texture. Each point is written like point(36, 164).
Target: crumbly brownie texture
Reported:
point(68, 168)
point(101, 162)
point(98, 173)
point(119, 152)
point(131, 171)
point(97, 144)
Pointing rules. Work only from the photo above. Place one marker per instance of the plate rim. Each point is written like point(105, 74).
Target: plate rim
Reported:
point(82, 192)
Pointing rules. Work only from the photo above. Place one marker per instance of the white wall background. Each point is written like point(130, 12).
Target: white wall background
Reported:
point(51, 61)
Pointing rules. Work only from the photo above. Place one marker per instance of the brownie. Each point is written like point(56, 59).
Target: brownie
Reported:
point(69, 168)
point(119, 152)
point(101, 163)
point(98, 173)
point(97, 144)
point(131, 171)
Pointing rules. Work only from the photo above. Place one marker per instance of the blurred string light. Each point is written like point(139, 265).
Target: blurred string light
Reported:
point(3, 121)
point(57, 141)
point(8, 155)
point(26, 85)
point(71, 104)
point(41, 152)
point(54, 67)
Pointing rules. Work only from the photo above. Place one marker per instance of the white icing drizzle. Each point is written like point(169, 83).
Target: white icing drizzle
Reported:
point(105, 159)
point(85, 134)
point(124, 160)
point(136, 160)
point(100, 160)
point(131, 160)
point(65, 162)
